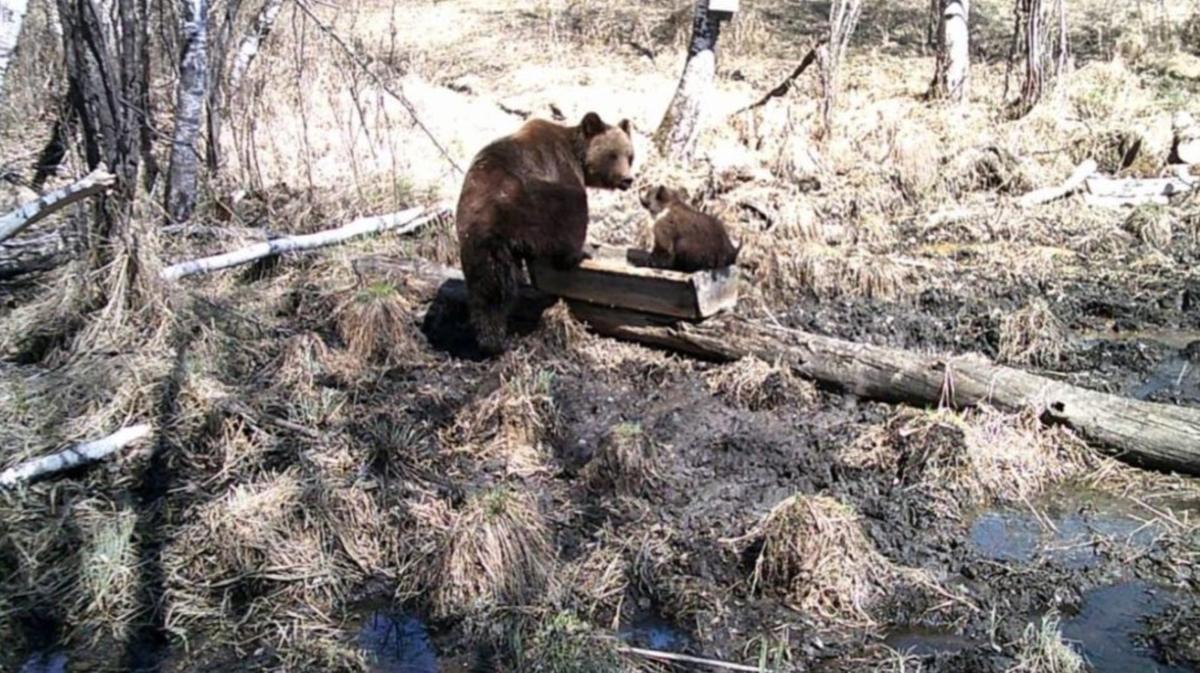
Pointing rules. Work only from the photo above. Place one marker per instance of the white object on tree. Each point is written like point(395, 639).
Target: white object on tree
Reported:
point(74, 456)
point(1186, 143)
point(1112, 193)
point(1081, 173)
point(97, 181)
point(12, 16)
point(403, 222)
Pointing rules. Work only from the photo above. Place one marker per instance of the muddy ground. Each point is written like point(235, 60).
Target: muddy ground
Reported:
point(339, 481)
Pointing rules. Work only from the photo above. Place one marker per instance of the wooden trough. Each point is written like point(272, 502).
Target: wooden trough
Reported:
point(622, 279)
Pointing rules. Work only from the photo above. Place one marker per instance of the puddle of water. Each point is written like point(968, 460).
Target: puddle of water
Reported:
point(397, 643)
point(922, 642)
point(1019, 536)
point(1108, 623)
point(655, 633)
point(45, 662)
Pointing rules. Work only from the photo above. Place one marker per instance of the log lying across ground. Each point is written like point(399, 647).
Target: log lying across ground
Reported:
point(1113, 193)
point(402, 222)
point(1146, 434)
point(93, 183)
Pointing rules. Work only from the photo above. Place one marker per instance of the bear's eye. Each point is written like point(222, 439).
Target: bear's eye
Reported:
point(612, 156)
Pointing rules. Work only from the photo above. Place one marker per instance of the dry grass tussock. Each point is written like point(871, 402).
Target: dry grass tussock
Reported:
point(814, 553)
point(626, 461)
point(512, 422)
point(962, 460)
point(760, 386)
point(568, 345)
point(106, 594)
point(1151, 225)
point(378, 323)
point(1041, 649)
point(595, 582)
point(496, 550)
point(826, 272)
point(1032, 335)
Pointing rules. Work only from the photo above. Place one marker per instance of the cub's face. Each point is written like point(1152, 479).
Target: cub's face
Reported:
point(659, 198)
point(609, 159)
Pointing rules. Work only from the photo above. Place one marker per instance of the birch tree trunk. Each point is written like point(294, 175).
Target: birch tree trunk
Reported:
point(843, 19)
point(183, 174)
point(12, 15)
point(952, 78)
point(680, 128)
point(252, 42)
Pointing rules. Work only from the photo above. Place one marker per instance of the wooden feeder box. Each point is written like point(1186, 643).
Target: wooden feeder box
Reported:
point(619, 278)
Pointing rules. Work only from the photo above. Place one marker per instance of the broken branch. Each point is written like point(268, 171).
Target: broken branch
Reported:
point(1039, 196)
point(97, 181)
point(74, 456)
point(403, 222)
point(786, 84)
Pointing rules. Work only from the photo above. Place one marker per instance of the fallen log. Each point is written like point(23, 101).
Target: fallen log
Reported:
point(1039, 196)
point(1145, 434)
point(1112, 192)
point(93, 183)
point(74, 456)
point(403, 222)
point(42, 253)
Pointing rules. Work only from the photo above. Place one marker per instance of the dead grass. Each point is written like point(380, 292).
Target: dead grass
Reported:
point(108, 572)
point(497, 551)
point(1151, 225)
point(760, 386)
point(626, 461)
point(813, 552)
point(377, 324)
point(1032, 335)
point(1041, 649)
point(562, 643)
point(962, 460)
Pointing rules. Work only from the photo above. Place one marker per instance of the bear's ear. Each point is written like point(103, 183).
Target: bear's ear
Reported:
point(592, 125)
point(683, 195)
point(660, 193)
point(626, 127)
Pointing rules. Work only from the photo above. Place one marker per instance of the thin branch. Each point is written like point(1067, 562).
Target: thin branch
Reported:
point(397, 94)
point(786, 84)
point(1039, 196)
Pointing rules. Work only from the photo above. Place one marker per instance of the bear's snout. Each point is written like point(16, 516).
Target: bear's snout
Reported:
point(625, 183)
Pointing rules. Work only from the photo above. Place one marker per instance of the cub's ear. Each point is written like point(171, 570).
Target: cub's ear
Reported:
point(626, 127)
point(683, 195)
point(660, 193)
point(592, 125)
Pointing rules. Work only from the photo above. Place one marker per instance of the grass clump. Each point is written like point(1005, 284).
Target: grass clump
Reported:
point(1041, 649)
point(626, 461)
point(813, 552)
point(377, 324)
point(497, 551)
point(1151, 225)
point(1032, 335)
point(108, 573)
point(565, 644)
point(760, 386)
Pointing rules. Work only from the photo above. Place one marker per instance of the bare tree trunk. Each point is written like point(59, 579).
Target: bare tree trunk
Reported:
point(252, 42)
point(218, 94)
point(1037, 38)
point(12, 16)
point(952, 78)
point(184, 171)
point(843, 18)
point(680, 128)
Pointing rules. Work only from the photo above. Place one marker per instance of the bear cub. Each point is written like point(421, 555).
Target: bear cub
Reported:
point(524, 197)
point(686, 239)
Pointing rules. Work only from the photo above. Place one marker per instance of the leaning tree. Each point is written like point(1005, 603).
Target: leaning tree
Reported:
point(680, 128)
point(1040, 39)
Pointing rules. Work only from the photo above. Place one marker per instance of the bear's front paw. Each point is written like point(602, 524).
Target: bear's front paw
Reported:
point(567, 262)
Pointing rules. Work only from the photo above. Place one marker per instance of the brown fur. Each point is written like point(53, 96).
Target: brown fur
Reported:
point(686, 239)
point(524, 197)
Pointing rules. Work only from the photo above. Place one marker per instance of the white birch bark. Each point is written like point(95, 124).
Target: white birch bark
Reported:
point(97, 181)
point(74, 456)
point(12, 16)
point(184, 171)
point(954, 57)
point(403, 222)
point(252, 42)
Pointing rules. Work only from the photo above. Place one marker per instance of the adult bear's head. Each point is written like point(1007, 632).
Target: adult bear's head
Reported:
point(608, 160)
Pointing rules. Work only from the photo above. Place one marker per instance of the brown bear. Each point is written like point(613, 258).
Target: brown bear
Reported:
point(524, 197)
point(686, 239)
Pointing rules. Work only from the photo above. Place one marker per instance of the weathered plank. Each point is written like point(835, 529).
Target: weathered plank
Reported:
point(618, 278)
